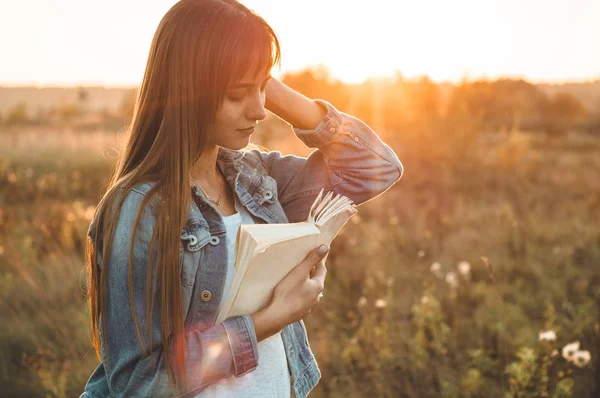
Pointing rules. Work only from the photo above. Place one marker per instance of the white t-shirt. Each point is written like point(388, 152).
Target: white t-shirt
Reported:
point(271, 378)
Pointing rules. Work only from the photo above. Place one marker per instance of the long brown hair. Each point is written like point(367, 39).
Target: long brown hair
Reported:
point(200, 47)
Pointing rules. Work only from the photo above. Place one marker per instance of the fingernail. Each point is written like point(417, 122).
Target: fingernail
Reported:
point(323, 249)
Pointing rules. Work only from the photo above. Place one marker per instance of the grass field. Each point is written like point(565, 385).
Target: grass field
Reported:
point(519, 212)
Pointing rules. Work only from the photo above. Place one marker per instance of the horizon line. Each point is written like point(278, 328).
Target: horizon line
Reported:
point(466, 78)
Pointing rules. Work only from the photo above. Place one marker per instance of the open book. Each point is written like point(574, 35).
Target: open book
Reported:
point(266, 253)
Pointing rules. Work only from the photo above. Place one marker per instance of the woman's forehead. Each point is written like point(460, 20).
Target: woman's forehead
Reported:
point(251, 78)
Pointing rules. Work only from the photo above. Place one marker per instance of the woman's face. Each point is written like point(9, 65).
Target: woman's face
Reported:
point(242, 108)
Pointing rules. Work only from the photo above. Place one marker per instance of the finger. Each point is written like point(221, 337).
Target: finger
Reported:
point(319, 273)
point(318, 254)
point(303, 269)
point(318, 265)
point(315, 256)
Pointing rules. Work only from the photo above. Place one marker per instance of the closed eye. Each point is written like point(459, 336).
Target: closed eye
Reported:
point(239, 96)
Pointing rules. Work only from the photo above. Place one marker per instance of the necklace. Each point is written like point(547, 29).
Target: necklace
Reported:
point(215, 201)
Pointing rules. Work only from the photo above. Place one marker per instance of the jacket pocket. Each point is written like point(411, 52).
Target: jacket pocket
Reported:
point(267, 201)
point(266, 192)
point(194, 236)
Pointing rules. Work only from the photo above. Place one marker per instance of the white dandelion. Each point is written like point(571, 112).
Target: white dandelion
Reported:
point(362, 302)
point(380, 303)
point(548, 335)
point(464, 268)
point(436, 269)
point(569, 350)
point(451, 279)
point(581, 358)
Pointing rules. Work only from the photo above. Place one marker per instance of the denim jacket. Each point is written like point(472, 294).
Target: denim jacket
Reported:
point(350, 159)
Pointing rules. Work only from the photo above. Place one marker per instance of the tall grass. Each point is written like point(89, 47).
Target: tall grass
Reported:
point(391, 324)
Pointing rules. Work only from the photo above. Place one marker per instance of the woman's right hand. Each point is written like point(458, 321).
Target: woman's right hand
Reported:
point(294, 296)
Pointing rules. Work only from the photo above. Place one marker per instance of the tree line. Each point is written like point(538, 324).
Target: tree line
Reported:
point(392, 104)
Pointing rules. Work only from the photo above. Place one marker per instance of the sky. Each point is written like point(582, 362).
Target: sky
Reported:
point(84, 42)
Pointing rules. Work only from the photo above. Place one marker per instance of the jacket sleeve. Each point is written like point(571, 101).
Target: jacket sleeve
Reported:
point(212, 353)
point(350, 159)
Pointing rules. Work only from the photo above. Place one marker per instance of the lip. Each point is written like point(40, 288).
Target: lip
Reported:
point(247, 130)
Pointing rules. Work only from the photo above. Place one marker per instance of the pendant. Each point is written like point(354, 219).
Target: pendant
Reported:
point(215, 201)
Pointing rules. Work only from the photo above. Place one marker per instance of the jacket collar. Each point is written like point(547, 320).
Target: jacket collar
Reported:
point(228, 162)
point(225, 155)
point(239, 176)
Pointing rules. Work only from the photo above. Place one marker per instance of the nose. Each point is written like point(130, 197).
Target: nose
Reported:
point(256, 108)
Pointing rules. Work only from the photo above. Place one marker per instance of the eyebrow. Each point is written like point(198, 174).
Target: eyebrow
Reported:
point(242, 85)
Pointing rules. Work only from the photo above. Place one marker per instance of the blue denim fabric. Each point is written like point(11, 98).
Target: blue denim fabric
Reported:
point(350, 160)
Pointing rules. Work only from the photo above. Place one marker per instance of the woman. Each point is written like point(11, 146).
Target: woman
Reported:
point(183, 185)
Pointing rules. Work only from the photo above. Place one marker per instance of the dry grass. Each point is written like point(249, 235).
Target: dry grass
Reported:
point(389, 326)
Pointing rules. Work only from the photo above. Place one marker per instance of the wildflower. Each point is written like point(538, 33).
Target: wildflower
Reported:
point(569, 350)
point(436, 269)
point(380, 303)
point(464, 268)
point(11, 177)
point(362, 302)
point(581, 358)
point(548, 335)
point(421, 253)
point(554, 353)
point(451, 279)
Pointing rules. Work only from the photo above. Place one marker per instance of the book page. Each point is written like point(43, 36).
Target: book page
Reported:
point(260, 239)
point(268, 252)
point(267, 269)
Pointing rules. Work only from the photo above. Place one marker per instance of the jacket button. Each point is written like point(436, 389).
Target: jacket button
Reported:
point(332, 129)
point(206, 295)
point(214, 240)
point(268, 195)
